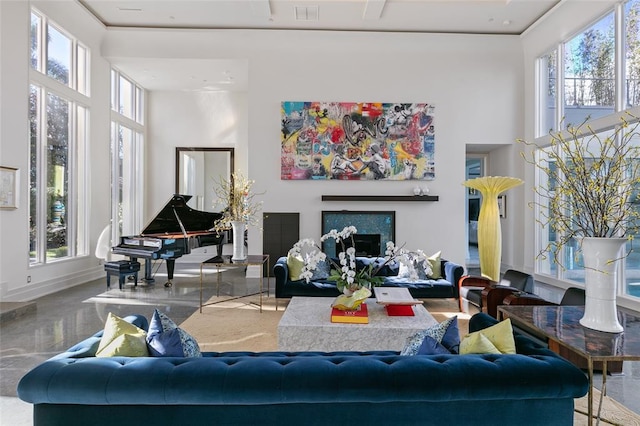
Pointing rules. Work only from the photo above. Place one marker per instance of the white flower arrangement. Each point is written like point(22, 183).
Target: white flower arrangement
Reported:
point(344, 272)
point(238, 200)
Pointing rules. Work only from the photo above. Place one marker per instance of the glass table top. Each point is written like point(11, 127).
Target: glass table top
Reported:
point(561, 323)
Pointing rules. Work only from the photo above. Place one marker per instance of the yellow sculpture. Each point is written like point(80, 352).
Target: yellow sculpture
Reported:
point(489, 232)
point(352, 302)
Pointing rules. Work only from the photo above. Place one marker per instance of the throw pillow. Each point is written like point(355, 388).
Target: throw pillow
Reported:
point(165, 338)
point(295, 264)
point(322, 271)
point(121, 338)
point(418, 267)
point(451, 338)
point(431, 346)
point(436, 267)
point(477, 343)
point(445, 333)
point(500, 335)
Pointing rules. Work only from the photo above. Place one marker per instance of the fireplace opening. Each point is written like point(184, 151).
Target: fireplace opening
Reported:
point(375, 229)
point(365, 244)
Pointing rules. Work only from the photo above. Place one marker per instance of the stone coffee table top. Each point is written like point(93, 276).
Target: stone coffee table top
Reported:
point(306, 326)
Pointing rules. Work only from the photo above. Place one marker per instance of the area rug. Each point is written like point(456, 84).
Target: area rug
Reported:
point(239, 326)
point(612, 412)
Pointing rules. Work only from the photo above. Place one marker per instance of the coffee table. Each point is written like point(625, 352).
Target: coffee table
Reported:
point(561, 326)
point(306, 326)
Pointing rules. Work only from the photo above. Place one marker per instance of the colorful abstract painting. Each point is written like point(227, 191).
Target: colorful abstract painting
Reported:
point(357, 141)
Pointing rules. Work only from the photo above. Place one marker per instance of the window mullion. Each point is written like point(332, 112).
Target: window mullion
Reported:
point(41, 227)
point(72, 166)
point(620, 62)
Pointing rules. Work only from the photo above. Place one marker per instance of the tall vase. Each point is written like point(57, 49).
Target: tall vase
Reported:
point(239, 249)
point(601, 265)
point(489, 231)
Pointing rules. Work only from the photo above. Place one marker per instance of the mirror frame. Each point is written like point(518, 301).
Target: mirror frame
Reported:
point(180, 150)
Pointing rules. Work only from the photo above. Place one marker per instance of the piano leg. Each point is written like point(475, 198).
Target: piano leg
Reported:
point(148, 278)
point(218, 258)
point(171, 263)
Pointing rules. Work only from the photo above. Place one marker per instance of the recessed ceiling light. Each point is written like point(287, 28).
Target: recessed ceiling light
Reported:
point(506, 22)
point(129, 9)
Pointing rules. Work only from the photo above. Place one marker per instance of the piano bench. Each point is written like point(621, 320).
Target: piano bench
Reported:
point(124, 269)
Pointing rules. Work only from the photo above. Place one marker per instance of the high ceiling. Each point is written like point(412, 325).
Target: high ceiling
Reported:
point(429, 16)
point(449, 16)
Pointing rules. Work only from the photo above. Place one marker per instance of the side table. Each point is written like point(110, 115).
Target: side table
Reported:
point(225, 261)
point(560, 324)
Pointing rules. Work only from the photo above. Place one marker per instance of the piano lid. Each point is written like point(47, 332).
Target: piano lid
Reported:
point(177, 217)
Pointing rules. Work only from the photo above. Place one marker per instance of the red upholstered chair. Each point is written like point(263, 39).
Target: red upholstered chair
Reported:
point(487, 295)
point(470, 291)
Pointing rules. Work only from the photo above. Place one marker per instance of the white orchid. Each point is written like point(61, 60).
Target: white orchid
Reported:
point(344, 271)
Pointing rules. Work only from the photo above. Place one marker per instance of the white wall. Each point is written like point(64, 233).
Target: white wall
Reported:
point(14, 149)
point(190, 119)
point(474, 81)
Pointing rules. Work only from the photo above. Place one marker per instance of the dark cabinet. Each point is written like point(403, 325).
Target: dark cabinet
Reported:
point(280, 231)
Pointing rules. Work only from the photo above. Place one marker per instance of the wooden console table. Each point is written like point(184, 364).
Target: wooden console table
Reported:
point(560, 324)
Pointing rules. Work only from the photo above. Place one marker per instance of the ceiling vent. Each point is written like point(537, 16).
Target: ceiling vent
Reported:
point(306, 13)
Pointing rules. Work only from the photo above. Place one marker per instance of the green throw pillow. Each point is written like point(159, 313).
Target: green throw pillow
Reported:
point(477, 343)
point(121, 338)
point(500, 336)
point(436, 267)
point(295, 265)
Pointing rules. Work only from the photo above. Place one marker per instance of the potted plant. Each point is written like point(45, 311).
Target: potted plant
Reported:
point(590, 200)
point(355, 284)
point(239, 211)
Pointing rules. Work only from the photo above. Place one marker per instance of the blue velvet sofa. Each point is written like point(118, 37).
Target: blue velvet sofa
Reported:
point(445, 287)
point(535, 386)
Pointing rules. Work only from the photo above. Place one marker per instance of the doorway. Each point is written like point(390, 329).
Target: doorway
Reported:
point(475, 167)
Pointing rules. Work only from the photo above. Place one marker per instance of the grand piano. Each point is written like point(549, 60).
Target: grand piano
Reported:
point(176, 230)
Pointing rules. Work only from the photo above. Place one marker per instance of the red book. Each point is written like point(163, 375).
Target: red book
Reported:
point(400, 310)
point(359, 316)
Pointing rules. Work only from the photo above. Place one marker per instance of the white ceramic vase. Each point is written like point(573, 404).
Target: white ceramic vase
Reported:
point(601, 265)
point(239, 249)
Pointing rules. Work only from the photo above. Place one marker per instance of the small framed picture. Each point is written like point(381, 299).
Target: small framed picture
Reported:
point(8, 188)
point(502, 205)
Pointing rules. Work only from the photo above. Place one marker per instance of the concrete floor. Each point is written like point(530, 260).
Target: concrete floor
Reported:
point(64, 318)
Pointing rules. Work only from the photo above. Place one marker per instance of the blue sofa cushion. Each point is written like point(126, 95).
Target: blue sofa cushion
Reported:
point(165, 338)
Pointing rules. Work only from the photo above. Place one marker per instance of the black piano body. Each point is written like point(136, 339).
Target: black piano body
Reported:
point(175, 231)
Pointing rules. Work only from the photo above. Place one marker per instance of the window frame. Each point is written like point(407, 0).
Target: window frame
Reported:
point(77, 142)
point(127, 213)
point(602, 123)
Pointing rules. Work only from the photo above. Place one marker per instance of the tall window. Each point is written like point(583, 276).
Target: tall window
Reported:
point(589, 72)
point(58, 116)
point(585, 76)
point(632, 53)
point(127, 142)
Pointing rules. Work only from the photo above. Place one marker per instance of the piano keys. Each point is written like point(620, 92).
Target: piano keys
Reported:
point(173, 232)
